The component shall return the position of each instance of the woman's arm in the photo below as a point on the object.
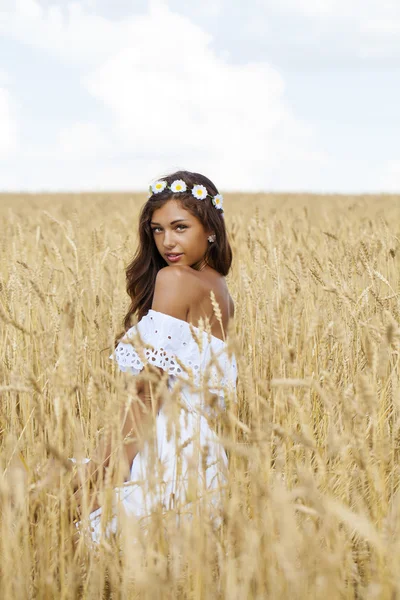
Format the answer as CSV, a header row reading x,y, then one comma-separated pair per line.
x,y
135,420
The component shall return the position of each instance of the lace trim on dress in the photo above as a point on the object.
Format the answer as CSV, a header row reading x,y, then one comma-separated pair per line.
x,y
167,340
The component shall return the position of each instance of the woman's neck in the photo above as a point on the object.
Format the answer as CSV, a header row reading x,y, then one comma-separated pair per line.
x,y
200,265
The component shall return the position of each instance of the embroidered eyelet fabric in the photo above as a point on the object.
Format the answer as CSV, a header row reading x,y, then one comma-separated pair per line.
x,y
169,338
163,341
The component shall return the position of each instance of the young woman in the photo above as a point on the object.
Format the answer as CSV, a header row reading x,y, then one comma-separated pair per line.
x,y
176,282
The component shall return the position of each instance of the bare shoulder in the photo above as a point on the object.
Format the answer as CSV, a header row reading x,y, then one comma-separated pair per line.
x,y
174,271
176,276
172,292
207,281
184,293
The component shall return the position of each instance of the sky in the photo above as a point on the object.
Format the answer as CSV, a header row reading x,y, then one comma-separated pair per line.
x,y
258,95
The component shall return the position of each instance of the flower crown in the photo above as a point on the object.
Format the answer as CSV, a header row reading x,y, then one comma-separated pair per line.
x,y
198,191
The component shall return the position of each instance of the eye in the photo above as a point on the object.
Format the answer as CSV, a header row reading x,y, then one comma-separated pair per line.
x,y
180,226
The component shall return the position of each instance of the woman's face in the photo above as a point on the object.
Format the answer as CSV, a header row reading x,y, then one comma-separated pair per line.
x,y
177,231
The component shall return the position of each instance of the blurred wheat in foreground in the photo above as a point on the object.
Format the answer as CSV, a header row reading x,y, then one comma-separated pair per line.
x,y
313,504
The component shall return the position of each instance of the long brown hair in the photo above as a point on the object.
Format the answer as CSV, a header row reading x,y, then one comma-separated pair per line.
x,y
142,270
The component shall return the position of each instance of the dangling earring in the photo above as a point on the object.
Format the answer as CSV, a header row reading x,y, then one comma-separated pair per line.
x,y
211,238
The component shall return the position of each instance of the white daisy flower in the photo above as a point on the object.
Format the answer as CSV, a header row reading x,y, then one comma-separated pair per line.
x,y
158,186
178,186
218,201
199,192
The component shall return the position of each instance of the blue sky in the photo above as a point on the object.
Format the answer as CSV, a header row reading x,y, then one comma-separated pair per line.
x,y
295,95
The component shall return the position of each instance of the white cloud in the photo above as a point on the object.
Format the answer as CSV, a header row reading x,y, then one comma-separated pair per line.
x,y
170,99
341,9
390,179
29,9
70,33
81,141
380,26
5,79
210,8
80,35
359,29
8,125
198,108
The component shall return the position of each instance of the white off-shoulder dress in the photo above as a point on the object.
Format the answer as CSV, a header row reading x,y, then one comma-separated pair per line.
x,y
197,363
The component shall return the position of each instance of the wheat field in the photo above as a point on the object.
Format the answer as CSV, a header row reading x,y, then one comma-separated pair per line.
x,y
313,509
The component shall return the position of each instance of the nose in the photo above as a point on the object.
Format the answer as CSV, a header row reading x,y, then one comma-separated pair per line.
x,y
168,241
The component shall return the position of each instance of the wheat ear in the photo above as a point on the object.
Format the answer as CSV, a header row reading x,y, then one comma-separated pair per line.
x,y
217,312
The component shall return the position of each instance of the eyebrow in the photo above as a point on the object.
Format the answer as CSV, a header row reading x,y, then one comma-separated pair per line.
x,y
172,222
